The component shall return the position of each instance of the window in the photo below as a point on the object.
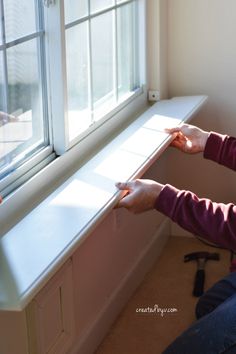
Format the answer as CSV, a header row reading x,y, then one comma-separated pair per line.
x,y
23,107
66,67
101,46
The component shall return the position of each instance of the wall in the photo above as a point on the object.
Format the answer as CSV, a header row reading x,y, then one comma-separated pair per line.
x,y
201,60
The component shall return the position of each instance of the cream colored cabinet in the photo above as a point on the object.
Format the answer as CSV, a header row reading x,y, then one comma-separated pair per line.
x,y
50,316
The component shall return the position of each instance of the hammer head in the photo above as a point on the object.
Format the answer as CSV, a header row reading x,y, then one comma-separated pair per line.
x,y
195,256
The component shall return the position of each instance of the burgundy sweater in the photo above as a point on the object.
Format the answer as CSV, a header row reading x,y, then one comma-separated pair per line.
x,y
215,222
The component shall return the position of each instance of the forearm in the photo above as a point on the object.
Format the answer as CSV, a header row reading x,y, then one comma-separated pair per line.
x,y
215,222
221,149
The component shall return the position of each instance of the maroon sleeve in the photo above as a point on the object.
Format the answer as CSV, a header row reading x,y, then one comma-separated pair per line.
x,y
221,149
216,222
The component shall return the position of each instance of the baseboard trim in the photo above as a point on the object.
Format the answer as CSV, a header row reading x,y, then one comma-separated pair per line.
x,y
93,336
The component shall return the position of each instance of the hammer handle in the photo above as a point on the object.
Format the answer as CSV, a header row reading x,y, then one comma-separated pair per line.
x,y
199,283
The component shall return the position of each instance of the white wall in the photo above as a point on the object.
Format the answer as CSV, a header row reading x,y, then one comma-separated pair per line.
x,y
202,53
202,60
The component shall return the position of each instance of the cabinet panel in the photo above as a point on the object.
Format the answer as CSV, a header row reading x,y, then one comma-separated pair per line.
x,y
51,315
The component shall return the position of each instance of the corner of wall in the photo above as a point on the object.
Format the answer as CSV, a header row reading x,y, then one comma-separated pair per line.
x,y
157,46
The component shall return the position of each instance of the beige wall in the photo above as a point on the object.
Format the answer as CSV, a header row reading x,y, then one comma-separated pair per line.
x,y
202,60
202,55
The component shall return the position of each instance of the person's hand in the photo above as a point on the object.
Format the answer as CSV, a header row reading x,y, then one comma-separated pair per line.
x,y
141,195
189,138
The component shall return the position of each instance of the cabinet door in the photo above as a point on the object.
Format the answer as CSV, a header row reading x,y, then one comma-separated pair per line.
x,y
51,315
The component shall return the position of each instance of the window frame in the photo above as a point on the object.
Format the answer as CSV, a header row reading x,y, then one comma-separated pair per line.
x,y
36,181
54,22
37,155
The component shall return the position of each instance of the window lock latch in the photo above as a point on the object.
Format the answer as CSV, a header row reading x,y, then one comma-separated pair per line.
x,y
49,3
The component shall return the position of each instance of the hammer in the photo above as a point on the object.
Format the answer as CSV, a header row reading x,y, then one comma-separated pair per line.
x,y
201,258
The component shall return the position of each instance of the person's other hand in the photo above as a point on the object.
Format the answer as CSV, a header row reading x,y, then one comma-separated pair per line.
x,y
189,139
141,195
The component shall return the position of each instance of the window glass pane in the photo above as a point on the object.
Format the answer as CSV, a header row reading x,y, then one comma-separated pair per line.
x,y
77,78
19,18
97,5
2,90
125,45
1,34
24,124
103,62
102,58
75,9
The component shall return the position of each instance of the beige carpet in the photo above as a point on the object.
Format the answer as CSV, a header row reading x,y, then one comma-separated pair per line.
x,y
168,286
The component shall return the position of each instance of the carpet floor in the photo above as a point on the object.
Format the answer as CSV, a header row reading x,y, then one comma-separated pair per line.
x,y
143,327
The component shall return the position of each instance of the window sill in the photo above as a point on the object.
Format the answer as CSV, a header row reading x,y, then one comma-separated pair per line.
x,y
34,249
